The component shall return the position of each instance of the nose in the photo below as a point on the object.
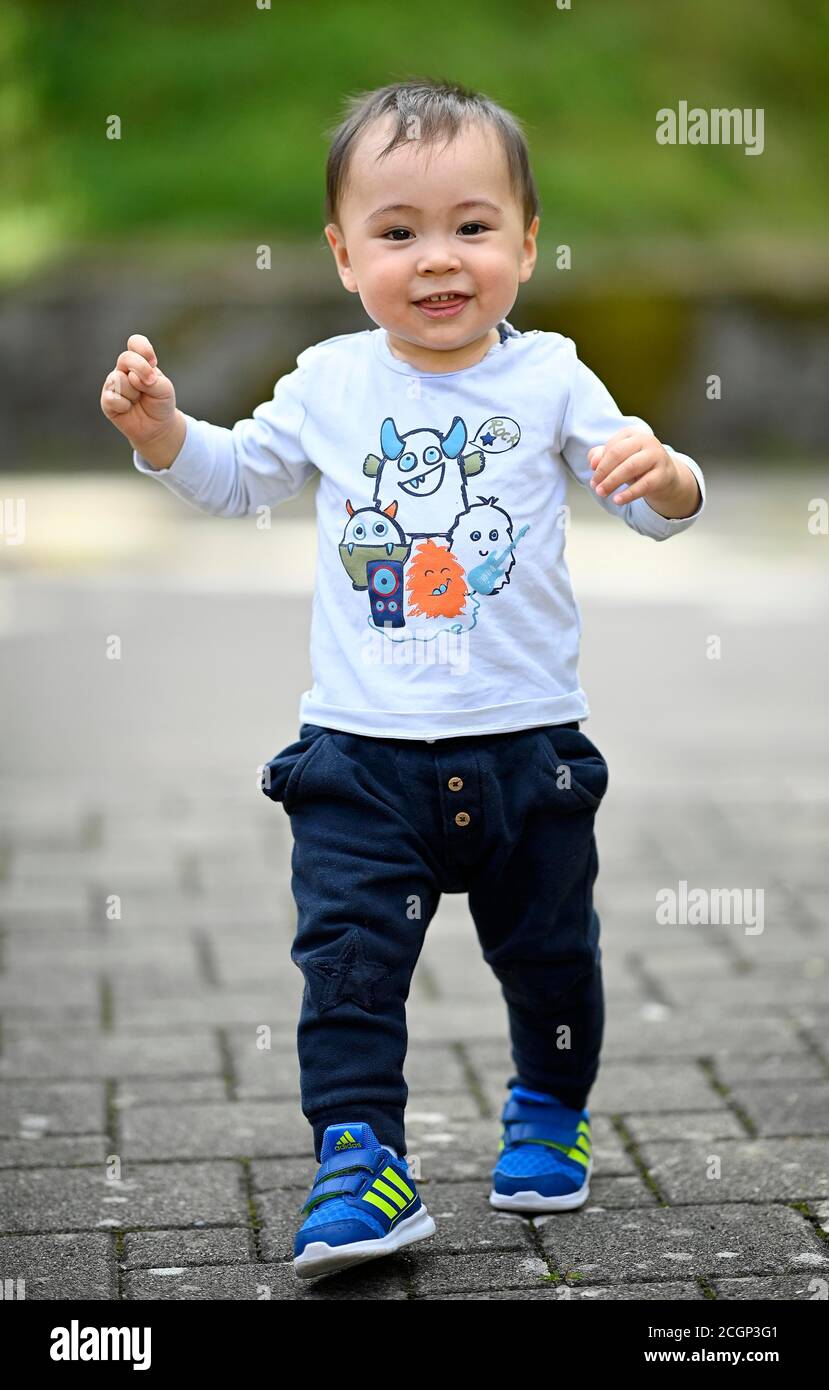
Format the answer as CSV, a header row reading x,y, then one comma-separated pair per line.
x,y
437,256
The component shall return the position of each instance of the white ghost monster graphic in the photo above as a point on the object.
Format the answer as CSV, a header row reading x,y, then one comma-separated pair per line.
x,y
425,472
481,533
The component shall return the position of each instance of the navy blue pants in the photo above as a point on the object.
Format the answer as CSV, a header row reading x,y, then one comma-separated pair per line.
x,y
382,827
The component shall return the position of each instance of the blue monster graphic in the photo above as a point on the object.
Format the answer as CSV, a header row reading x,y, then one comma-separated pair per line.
x,y
425,472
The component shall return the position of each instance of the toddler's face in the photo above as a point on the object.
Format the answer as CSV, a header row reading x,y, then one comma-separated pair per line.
x,y
394,256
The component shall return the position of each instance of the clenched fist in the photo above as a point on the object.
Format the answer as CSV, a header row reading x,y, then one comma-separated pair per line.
x,y
141,402
647,470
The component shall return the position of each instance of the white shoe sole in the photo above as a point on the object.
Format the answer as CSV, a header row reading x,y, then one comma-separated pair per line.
x,y
320,1258
533,1201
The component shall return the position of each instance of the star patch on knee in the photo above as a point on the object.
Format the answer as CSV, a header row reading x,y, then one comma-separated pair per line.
x,y
350,975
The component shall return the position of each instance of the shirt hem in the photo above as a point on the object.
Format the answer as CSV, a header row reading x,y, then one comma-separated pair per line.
x,y
491,719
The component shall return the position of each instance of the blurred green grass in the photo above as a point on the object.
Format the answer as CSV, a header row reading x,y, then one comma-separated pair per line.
x,y
224,110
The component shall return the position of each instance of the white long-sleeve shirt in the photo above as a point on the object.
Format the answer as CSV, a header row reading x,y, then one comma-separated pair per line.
x,y
442,602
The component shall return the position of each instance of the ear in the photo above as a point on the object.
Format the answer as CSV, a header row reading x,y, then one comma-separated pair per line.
x,y
530,251
336,240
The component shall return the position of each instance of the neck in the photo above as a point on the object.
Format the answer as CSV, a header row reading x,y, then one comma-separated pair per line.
x,y
450,360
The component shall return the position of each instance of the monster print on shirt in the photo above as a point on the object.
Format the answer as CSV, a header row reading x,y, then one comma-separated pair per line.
x,y
428,548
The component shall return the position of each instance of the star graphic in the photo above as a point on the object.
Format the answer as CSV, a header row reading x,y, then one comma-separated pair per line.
x,y
349,975
487,438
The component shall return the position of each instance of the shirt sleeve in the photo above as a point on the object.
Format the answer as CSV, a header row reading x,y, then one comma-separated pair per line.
x,y
232,472
591,416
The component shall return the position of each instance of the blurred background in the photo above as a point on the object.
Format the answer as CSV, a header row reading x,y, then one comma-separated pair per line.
x,y
686,262
137,775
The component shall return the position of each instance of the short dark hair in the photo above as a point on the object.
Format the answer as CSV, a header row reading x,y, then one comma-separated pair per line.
x,y
440,109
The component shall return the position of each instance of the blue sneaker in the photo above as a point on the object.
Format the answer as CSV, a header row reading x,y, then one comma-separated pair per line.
x,y
363,1204
545,1155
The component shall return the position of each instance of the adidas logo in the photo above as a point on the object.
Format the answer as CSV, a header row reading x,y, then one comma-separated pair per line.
x,y
346,1141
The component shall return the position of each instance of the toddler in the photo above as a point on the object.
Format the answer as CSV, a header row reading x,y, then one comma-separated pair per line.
x,y
440,748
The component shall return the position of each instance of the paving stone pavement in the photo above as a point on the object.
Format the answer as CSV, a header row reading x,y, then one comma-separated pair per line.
x,y
151,1140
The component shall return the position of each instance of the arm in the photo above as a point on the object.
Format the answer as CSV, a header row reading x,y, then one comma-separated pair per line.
x,y
673,482
227,472
232,472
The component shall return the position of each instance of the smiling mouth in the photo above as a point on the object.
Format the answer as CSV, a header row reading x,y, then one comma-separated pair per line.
x,y
442,299
441,588
425,483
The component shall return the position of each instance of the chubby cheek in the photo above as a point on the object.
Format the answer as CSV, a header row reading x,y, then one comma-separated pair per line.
x,y
383,279
495,273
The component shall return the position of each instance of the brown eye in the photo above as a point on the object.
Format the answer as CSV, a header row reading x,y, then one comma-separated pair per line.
x,y
428,572
445,569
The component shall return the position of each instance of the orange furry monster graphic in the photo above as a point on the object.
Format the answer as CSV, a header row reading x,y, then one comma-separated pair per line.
x,y
435,583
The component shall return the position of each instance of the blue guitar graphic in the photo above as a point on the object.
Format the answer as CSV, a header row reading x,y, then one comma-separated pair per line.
x,y
484,577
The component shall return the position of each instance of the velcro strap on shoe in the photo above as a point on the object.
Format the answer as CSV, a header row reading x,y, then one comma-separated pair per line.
x,y
516,1109
346,1184
522,1133
344,1162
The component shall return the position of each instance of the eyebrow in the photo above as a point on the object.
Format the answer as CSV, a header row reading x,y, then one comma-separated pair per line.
x,y
408,207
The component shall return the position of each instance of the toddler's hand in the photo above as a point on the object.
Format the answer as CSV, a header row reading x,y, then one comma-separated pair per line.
x,y
138,398
635,458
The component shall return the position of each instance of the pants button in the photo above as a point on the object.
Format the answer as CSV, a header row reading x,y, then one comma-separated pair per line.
x,y
455,784
462,818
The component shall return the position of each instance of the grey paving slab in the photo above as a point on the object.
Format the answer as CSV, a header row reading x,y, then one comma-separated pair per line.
x,y
607,1193
41,1108
259,1282
292,1176
698,1032
163,1194
787,1066
652,1085
689,1127
741,1170
796,1287
37,1151
265,1072
108,1055
561,1291
71,899
443,1274
790,1107
206,1007
227,1129
177,1091
61,1267
196,1283
644,1245
459,1022
40,994
154,1250
32,918
750,993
